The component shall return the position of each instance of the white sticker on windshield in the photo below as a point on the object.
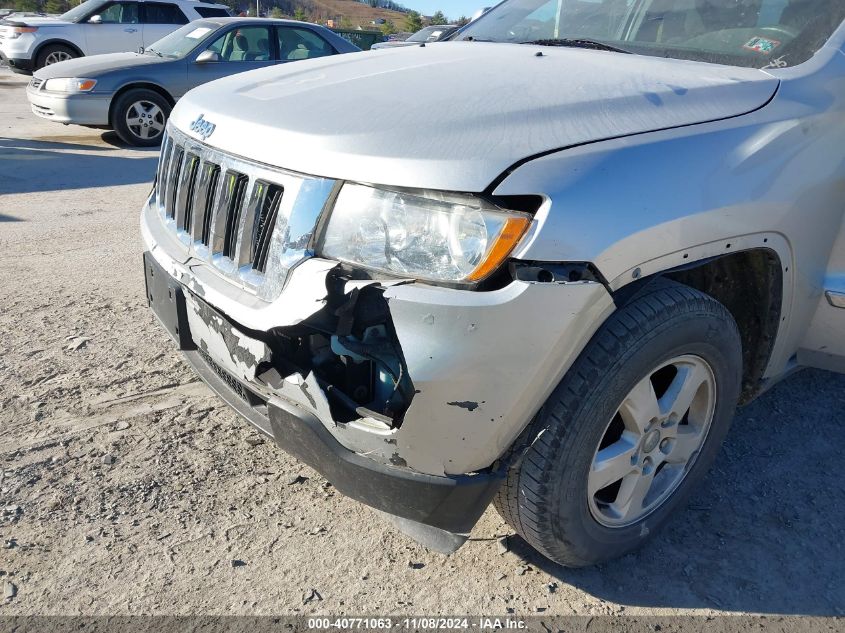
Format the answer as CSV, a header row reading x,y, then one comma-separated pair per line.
x,y
197,33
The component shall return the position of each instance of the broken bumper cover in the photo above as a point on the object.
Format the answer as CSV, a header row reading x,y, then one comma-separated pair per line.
x,y
450,503
453,504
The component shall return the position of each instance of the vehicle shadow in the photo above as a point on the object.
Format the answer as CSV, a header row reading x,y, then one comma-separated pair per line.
x,y
28,165
764,534
9,218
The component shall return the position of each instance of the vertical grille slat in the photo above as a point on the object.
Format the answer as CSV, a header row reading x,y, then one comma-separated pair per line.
x,y
265,224
208,211
185,197
203,200
236,187
176,161
163,166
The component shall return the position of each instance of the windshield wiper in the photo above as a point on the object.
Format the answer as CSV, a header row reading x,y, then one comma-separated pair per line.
x,y
579,43
153,51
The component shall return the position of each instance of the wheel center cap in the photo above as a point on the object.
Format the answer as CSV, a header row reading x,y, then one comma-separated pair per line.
x,y
650,441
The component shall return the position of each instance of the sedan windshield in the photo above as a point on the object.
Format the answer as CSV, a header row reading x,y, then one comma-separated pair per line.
x,y
183,40
428,34
80,11
754,33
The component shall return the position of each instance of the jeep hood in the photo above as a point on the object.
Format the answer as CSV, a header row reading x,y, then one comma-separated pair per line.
x,y
94,66
456,115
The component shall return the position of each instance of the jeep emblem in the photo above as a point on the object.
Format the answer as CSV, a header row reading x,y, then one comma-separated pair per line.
x,y
203,128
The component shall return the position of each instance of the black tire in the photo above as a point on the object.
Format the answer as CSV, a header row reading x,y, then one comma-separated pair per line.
x,y
545,495
128,104
49,54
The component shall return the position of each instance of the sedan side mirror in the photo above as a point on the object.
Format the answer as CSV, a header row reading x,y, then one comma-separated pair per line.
x,y
95,19
207,57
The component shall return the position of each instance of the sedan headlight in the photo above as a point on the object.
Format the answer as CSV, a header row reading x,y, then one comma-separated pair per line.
x,y
424,235
71,85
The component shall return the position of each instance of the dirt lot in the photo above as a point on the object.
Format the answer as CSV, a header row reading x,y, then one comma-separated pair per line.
x,y
127,488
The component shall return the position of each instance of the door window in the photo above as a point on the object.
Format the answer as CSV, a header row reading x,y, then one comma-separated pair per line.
x,y
120,13
246,44
211,12
161,13
301,44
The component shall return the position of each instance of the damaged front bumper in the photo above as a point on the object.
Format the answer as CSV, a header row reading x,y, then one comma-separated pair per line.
x,y
403,395
449,503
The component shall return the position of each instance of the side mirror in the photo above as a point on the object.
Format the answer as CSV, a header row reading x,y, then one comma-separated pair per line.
x,y
95,19
207,57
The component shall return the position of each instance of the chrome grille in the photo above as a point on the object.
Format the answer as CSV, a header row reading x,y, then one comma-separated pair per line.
x,y
35,83
251,222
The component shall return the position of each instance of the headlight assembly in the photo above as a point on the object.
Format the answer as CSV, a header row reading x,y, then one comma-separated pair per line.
x,y
72,85
16,31
423,235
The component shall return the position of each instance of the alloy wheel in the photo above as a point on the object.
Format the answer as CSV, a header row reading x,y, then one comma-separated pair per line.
x,y
145,119
652,441
57,56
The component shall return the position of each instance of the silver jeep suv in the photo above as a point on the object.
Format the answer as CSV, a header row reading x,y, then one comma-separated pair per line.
x,y
546,280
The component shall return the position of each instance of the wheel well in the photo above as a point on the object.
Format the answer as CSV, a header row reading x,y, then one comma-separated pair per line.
x,y
73,47
750,285
147,86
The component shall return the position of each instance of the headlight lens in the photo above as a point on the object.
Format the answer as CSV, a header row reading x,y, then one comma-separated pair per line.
x,y
74,84
432,236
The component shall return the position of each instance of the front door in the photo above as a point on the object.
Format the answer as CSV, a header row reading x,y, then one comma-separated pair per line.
x,y
116,28
238,50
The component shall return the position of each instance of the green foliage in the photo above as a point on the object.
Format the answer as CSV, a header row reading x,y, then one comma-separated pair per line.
x,y
26,5
276,13
388,28
413,21
438,18
462,21
300,14
55,6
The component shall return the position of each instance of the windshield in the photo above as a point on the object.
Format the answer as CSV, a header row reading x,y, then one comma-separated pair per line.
x,y
80,11
183,40
755,33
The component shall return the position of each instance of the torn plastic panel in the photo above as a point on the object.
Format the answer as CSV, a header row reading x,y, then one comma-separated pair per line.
x,y
343,362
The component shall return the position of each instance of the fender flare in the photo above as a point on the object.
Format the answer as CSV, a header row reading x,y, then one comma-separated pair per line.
x,y
53,41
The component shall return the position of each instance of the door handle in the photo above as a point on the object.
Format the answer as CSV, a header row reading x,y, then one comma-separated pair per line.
x,y
130,30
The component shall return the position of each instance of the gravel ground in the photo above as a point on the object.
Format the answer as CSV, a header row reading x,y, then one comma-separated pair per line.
x,y
127,488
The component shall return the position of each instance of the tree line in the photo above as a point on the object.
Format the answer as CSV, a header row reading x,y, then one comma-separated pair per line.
x,y
303,10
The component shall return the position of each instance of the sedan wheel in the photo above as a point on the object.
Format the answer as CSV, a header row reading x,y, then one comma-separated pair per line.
x,y
139,116
145,120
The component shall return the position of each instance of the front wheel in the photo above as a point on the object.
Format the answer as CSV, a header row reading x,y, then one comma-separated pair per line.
x,y
630,430
139,117
53,54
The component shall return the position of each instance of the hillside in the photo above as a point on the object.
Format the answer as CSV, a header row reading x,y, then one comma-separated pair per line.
x,y
357,12
348,12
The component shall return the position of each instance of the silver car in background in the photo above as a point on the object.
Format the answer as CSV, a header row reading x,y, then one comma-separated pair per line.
x,y
427,35
133,93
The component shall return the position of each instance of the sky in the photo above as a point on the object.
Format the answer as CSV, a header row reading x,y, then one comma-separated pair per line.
x,y
452,8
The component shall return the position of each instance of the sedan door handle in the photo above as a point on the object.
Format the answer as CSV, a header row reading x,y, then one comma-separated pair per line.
x,y
130,30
